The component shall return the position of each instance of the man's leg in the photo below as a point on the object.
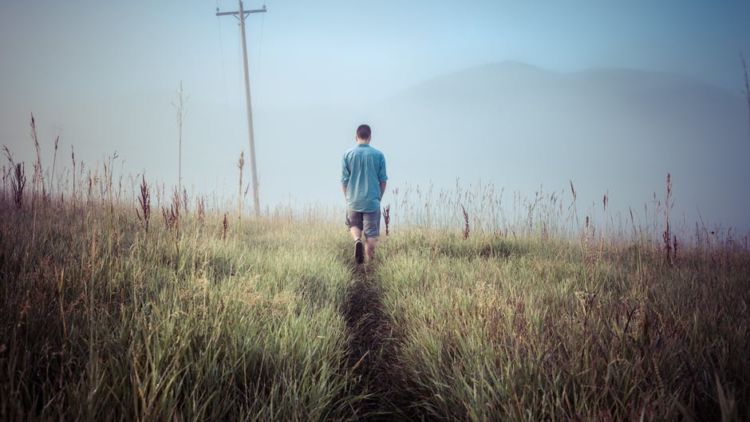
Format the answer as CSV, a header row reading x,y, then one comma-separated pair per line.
x,y
371,227
354,221
370,244
356,232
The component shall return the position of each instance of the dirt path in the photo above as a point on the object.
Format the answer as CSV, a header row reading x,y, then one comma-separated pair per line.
x,y
373,350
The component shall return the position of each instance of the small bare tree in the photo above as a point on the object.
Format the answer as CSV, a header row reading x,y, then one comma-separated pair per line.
x,y
179,105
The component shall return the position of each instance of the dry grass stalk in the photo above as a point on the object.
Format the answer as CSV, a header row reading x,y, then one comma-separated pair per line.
x,y
573,204
225,226
588,229
11,165
144,201
240,166
466,222
92,177
105,184
73,159
573,191
169,217
54,161
387,218
175,208
119,188
200,208
17,184
632,222
185,201
172,215
604,233
17,178
5,178
667,237
38,178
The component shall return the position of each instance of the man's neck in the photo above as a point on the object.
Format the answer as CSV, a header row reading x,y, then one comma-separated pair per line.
x,y
361,142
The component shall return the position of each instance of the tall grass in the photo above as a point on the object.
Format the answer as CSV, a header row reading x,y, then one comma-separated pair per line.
x,y
470,312
110,321
499,329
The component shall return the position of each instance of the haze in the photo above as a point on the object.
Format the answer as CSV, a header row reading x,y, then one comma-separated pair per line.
x,y
518,94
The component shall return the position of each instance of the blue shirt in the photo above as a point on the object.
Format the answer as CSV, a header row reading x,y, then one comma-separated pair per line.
x,y
362,170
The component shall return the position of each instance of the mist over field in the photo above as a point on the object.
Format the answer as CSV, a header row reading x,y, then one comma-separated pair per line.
x,y
516,126
523,128
495,92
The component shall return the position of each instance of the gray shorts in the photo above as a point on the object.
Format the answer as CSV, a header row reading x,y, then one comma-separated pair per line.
x,y
368,222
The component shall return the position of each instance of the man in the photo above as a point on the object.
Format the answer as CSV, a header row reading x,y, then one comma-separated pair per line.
x,y
363,181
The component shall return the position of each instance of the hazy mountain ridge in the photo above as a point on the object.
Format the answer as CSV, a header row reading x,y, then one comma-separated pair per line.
x,y
508,74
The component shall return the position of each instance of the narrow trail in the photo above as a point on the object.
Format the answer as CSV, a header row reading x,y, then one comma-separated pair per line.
x,y
373,350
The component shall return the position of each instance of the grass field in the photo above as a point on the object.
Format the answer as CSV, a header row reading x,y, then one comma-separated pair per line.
x,y
268,319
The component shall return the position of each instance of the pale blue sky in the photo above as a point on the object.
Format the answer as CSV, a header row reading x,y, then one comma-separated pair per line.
x,y
324,51
102,74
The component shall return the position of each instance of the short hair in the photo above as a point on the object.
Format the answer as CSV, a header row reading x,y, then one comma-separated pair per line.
x,y
363,132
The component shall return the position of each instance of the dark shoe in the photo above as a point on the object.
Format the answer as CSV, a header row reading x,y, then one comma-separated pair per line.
x,y
359,252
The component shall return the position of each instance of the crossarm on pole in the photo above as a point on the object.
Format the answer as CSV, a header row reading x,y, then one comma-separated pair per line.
x,y
236,13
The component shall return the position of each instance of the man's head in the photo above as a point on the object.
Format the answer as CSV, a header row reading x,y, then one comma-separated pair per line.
x,y
363,133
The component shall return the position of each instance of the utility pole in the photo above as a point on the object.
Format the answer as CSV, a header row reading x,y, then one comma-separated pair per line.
x,y
241,15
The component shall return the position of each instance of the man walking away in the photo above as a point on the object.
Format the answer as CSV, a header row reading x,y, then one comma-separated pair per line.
x,y
363,179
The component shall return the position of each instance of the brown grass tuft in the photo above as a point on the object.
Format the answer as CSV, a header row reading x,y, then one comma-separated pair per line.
x,y
466,222
172,215
144,201
387,218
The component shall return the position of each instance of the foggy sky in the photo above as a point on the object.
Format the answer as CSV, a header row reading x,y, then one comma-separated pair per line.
x,y
102,75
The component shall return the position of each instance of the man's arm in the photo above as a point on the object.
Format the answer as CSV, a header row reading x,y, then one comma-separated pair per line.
x,y
382,176
345,174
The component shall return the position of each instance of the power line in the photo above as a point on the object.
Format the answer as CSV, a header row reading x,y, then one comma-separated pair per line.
x,y
223,65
